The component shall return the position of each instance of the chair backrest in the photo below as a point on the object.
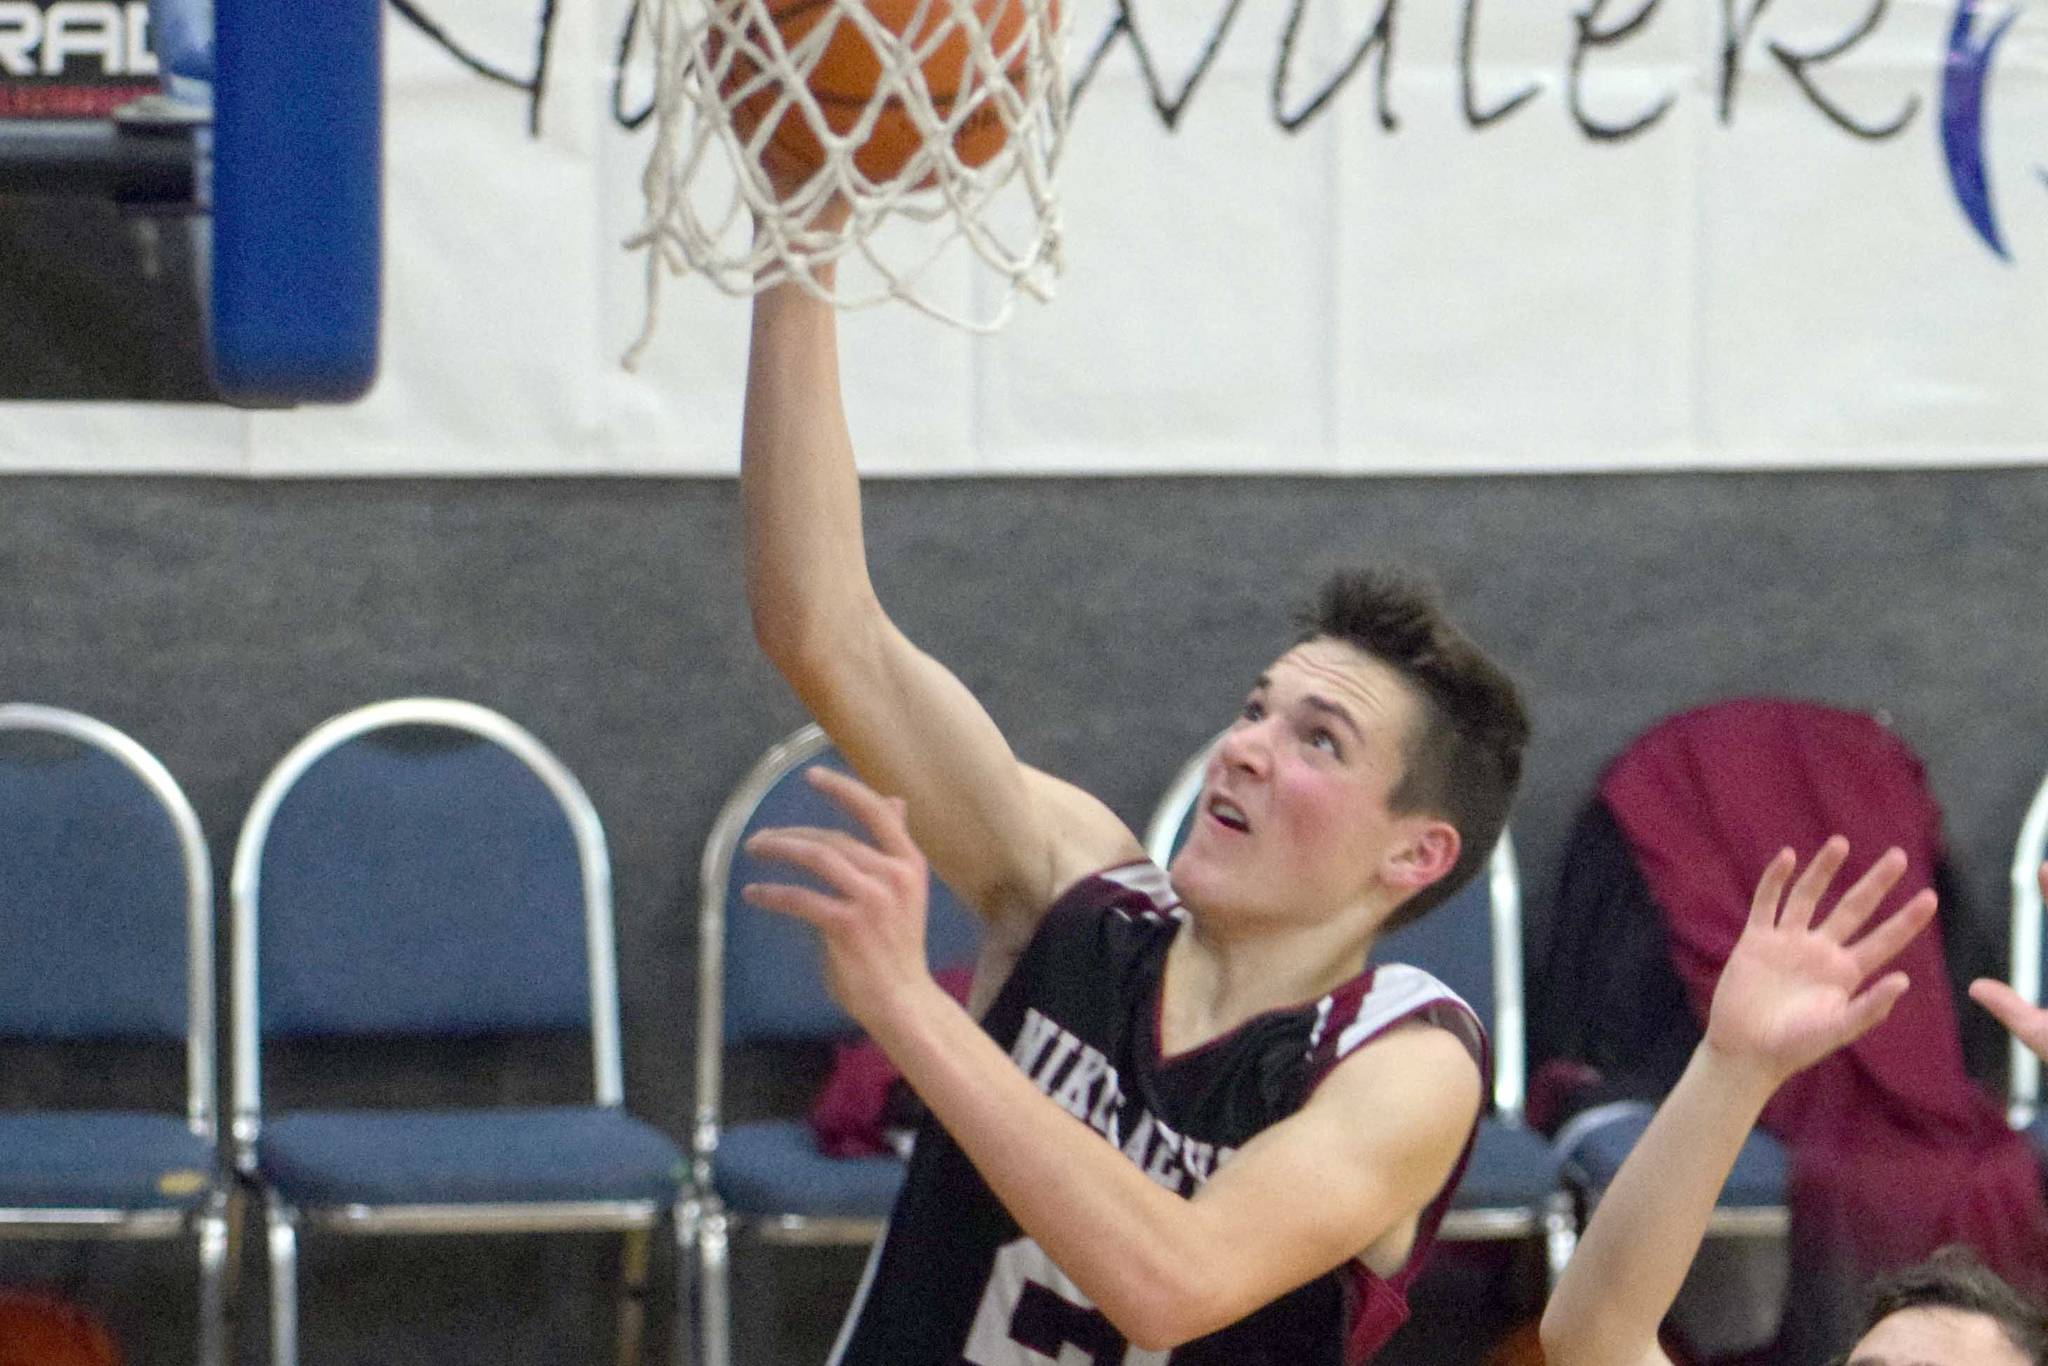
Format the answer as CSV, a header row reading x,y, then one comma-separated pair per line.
x,y
106,895
1472,943
2027,948
761,975
421,868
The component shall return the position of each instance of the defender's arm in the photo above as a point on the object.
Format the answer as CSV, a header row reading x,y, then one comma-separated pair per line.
x,y
1792,992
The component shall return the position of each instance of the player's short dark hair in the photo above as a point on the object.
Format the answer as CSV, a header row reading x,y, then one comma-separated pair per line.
x,y
1465,759
1953,1278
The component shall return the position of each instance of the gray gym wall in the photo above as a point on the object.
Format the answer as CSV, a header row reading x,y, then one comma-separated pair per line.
x,y
1110,625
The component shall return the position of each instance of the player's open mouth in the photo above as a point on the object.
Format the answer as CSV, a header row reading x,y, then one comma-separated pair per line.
x,y
1228,814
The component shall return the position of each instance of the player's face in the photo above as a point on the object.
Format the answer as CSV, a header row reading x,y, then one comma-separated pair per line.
x,y
1293,819
1937,1337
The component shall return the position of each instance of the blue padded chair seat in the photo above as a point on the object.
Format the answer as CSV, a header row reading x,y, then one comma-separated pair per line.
x,y
496,1156
102,1160
1758,1180
1511,1168
774,1167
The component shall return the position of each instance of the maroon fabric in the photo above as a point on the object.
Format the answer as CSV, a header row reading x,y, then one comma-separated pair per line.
x,y
862,1099
1895,1151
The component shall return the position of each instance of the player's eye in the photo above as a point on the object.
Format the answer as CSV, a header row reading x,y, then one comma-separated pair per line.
x,y
1254,709
1326,740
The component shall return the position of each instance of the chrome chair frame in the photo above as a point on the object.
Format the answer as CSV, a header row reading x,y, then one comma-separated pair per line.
x,y
1555,1222
211,1224
715,1226
2024,1069
637,1219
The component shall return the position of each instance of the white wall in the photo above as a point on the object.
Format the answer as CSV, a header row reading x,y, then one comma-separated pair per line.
x,y
1764,289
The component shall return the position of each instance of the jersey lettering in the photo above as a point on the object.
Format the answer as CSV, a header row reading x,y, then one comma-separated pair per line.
x,y
1032,1315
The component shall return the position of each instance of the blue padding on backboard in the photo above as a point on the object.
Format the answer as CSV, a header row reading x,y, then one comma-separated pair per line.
x,y
297,199
181,33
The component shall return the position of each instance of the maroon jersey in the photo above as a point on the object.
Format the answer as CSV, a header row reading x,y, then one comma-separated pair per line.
x,y
954,1282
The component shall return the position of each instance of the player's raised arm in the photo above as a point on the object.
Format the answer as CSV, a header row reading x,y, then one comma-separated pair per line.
x,y
1004,837
1792,992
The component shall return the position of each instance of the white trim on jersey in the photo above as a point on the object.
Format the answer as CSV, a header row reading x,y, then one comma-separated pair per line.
x,y
1315,1035
1398,991
1147,879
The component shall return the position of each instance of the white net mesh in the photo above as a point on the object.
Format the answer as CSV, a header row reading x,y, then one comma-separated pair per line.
x,y
942,119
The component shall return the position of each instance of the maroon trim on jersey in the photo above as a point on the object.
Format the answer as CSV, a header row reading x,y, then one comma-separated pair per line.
x,y
1446,1011
1336,1013
1376,1309
1379,1304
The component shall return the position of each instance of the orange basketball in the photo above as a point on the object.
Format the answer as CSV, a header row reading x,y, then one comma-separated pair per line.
x,y
848,71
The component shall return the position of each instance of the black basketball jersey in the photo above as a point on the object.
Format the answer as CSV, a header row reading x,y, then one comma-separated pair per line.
x,y
954,1282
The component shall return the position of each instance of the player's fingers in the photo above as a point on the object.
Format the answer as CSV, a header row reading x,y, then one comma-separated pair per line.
x,y
2001,1000
1875,1002
2026,1021
800,903
1882,944
1856,905
1812,884
1770,888
884,818
833,857
850,846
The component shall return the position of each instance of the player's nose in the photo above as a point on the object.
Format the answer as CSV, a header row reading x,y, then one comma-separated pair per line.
x,y
1247,747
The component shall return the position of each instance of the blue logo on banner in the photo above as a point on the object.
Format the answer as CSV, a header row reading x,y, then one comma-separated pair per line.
x,y
1963,78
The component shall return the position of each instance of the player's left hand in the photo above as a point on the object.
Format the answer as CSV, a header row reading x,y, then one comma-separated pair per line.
x,y
1793,990
2027,1022
872,915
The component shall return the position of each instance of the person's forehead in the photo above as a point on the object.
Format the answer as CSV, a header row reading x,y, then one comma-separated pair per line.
x,y
1937,1337
1340,672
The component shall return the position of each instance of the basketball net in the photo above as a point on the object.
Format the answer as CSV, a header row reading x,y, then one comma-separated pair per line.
x,y
707,189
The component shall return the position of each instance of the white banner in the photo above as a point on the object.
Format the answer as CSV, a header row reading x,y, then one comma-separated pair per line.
x,y
1414,236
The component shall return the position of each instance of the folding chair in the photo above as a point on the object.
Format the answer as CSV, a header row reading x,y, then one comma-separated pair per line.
x,y
106,933
1512,1187
761,981
2024,1087
425,869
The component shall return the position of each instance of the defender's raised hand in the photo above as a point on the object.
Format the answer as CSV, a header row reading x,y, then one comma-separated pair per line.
x,y
872,917
2026,1021
1794,988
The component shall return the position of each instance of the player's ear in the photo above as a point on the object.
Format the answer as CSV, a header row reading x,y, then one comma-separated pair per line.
x,y
1425,856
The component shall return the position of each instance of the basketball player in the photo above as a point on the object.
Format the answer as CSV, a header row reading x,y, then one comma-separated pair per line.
x,y
1191,1125
1792,992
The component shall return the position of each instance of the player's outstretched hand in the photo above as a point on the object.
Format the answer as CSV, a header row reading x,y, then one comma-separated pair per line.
x,y
872,913
2027,1022
1794,990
